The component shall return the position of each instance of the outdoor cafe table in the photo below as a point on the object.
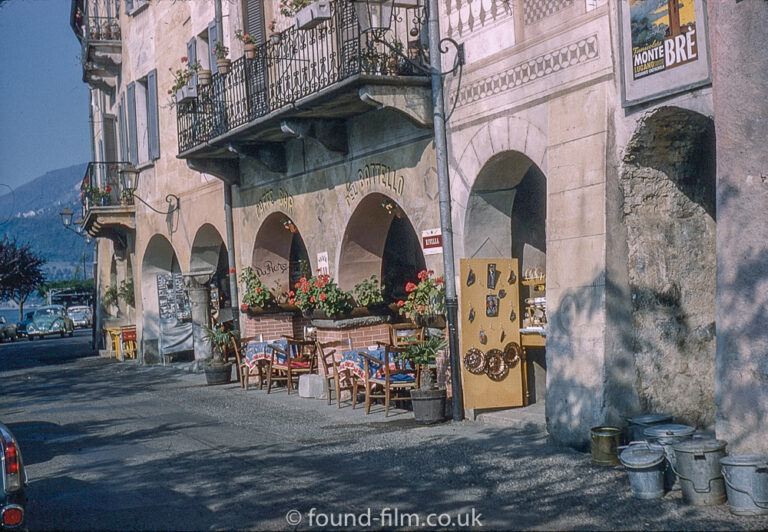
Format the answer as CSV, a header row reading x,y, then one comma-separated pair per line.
x,y
352,361
256,351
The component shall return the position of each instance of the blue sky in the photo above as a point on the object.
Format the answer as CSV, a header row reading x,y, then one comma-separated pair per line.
x,y
43,101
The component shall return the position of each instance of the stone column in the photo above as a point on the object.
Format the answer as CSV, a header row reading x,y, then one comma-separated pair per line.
x,y
740,85
200,303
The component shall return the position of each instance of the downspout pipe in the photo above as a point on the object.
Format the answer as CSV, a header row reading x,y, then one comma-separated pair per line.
x,y
444,190
229,226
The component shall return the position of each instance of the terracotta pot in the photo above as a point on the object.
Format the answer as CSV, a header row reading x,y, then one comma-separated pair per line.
x,y
250,50
224,65
204,77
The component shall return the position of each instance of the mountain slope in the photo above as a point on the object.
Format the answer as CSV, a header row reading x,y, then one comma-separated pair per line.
x,y
31,214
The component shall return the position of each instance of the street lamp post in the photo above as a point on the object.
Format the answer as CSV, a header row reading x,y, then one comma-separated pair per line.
x,y
375,17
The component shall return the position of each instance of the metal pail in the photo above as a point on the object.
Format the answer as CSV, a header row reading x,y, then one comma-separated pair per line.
x,y
605,441
746,483
645,463
698,467
667,435
638,424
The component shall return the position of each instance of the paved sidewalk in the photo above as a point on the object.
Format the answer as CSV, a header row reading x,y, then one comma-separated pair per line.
x,y
116,446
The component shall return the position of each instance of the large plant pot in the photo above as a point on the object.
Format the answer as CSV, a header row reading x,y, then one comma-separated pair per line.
x,y
224,66
250,50
218,373
204,77
428,406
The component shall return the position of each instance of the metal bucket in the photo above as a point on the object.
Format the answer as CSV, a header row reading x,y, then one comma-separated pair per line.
x,y
605,441
698,466
666,436
638,424
746,483
645,463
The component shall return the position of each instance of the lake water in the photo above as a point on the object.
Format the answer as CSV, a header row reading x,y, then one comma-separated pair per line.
x,y
12,315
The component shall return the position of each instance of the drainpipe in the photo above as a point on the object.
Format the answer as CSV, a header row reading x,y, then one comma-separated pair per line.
x,y
229,227
444,189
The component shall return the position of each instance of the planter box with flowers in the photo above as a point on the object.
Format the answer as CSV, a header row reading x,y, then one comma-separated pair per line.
x,y
223,63
264,314
181,90
313,15
425,304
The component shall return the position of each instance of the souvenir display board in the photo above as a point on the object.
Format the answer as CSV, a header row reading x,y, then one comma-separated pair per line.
x,y
491,355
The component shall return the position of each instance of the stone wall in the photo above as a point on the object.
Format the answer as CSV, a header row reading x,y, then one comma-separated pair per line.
x,y
668,190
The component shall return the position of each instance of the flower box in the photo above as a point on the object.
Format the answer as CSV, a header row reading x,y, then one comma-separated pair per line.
x,y
186,93
313,15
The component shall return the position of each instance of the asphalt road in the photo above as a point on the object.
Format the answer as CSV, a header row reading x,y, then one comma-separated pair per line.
x,y
119,446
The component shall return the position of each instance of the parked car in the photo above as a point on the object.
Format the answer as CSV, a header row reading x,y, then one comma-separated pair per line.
x,y
21,327
14,498
81,315
7,330
51,319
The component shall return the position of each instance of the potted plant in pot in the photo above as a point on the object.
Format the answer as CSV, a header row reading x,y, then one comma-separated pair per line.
x,y
425,304
249,44
218,370
320,297
369,297
222,61
428,401
257,299
181,89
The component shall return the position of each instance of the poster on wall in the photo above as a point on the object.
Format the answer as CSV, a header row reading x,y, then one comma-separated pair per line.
x,y
664,48
175,314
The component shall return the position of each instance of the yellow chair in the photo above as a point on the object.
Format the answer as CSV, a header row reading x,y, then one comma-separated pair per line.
x,y
114,342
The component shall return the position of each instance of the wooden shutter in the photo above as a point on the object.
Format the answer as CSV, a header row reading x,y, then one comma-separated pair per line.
x,y
213,36
133,138
254,20
192,56
110,139
153,122
122,130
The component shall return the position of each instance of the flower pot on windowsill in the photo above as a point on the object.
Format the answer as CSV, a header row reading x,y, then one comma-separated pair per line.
x,y
250,50
204,77
224,65
186,93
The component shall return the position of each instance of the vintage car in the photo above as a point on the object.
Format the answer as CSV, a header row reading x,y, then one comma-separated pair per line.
x,y
21,327
81,315
14,484
7,330
51,319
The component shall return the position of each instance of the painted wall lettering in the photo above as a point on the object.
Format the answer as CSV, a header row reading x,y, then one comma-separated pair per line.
x,y
268,268
374,176
282,198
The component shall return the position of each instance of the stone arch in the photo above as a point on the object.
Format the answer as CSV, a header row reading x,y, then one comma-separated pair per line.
x,y
209,253
668,184
279,255
380,240
159,258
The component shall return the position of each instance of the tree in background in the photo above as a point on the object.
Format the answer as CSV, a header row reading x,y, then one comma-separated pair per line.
x,y
57,288
21,272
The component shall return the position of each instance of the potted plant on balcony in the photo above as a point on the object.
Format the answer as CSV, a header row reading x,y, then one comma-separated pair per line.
x,y
249,44
181,89
369,297
222,61
425,304
257,298
218,370
428,401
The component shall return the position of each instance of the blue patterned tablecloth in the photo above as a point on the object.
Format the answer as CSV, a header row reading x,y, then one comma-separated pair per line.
x,y
352,361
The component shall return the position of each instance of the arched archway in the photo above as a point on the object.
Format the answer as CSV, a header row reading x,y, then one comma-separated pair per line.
x,y
668,182
209,253
279,256
159,258
506,217
380,241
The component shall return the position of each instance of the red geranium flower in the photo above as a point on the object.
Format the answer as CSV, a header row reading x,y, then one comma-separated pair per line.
x,y
439,280
421,308
304,289
311,299
400,303
291,293
243,307
410,287
422,275
184,59
258,289
322,297
291,300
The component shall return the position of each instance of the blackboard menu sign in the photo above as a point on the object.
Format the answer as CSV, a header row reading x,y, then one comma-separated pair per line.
x,y
171,297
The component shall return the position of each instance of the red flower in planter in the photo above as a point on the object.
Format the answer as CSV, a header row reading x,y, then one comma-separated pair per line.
x,y
322,297
400,303
410,287
312,299
244,307
422,275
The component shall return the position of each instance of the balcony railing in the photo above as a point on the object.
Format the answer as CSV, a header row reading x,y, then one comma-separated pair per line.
x,y
302,63
101,186
97,20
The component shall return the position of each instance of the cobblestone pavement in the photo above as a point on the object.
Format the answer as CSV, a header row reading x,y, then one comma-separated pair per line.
x,y
121,446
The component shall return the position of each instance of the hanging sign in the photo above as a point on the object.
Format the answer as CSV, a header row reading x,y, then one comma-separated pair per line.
x,y
322,263
432,241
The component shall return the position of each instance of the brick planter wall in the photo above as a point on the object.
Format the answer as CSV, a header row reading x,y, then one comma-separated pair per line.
x,y
361,331
272,326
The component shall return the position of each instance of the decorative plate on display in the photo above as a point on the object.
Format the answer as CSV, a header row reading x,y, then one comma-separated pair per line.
x,y
495,367
474,361
512,353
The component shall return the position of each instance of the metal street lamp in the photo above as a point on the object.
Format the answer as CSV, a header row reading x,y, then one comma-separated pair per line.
x,y
373,11
66,221
129,180
66,217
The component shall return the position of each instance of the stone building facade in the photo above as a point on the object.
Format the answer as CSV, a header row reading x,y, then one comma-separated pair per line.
x,y
326,147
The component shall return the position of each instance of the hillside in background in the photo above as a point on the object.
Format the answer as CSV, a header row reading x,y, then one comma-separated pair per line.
x,y
31,214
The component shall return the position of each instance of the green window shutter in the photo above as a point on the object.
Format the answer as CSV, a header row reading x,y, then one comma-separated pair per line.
x,y
153,122
213,36
133,137
192,56
254,20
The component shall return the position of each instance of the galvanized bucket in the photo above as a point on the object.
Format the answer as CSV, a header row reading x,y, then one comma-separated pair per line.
x,y
746,483
667,435
638,424
605,441
698,466
645,463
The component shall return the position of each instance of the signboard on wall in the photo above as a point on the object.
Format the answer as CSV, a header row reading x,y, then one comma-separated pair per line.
x,y
172,299
322,263
432,241
664,48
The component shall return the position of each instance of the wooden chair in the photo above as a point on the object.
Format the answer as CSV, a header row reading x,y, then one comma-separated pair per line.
x,y
243,369
389,384
299,359
342,380
402,334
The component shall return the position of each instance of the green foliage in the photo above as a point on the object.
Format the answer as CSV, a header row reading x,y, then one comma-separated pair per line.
x,y
245,38
424,352
21,271
219,338
74,285
182,75
290,7
427,298
256,292
368,292
125,292
111,294
322,293
220,50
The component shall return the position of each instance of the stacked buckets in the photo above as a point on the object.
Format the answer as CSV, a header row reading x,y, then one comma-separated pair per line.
x,y
746,483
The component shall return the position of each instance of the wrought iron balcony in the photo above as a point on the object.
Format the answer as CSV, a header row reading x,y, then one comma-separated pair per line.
x,y
108,211
314,73
96,24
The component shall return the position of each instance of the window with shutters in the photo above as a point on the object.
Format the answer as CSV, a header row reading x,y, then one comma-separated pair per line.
x,y
143,120
133,6
253,20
